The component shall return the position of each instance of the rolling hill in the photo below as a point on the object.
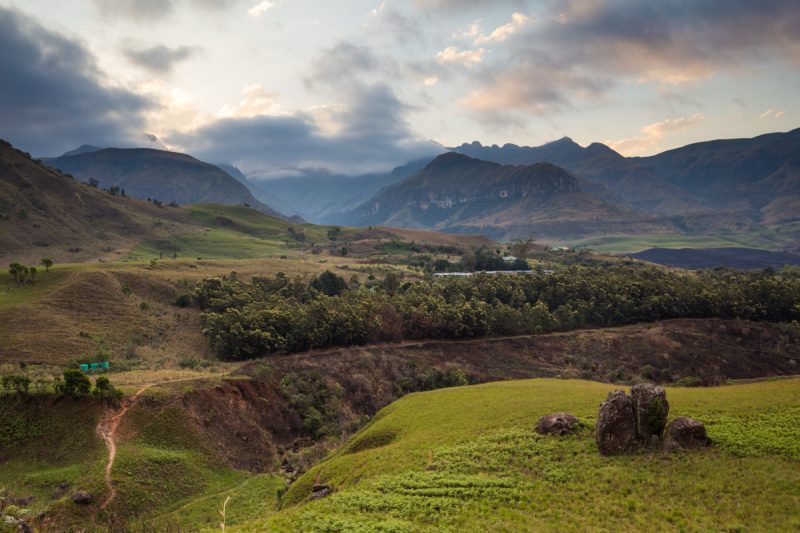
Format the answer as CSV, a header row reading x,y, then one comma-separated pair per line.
x,y
166,176
461,194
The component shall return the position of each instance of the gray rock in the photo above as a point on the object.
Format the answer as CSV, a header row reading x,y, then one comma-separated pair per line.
x,y
685,433
557,424
320,491
616,425
82,497
651,408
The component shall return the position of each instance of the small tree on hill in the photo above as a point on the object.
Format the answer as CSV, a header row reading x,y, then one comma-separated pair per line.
x,y
93,183
104,390
46,263
75,384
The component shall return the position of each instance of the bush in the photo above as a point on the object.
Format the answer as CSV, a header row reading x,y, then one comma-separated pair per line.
x,y
184,300
103,389
74,384
17,384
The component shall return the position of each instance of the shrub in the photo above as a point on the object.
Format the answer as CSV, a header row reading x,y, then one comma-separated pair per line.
x,y
74,384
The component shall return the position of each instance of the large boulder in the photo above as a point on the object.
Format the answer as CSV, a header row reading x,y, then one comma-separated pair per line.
x,y
557,424
616,425
651,408
685,433
82,497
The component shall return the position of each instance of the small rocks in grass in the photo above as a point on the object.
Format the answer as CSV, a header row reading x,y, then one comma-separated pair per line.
x,y
557,424
82,497
685,433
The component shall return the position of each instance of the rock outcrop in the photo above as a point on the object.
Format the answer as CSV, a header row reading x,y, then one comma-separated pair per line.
x,y
685,433
82,497
616,425
628,423
651,408
557,424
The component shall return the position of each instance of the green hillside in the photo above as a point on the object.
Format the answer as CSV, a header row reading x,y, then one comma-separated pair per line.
x,y
467,459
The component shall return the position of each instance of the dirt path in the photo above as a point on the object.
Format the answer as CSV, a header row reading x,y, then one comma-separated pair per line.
x,y
107,428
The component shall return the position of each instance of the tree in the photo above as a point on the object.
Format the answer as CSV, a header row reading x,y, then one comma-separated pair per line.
x,y
46,263
391,283
329,283
93,183
114,190
32,271
75,384
104,390
18,272
334,232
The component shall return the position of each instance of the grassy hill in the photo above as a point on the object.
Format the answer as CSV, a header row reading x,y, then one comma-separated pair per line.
x,y
467,459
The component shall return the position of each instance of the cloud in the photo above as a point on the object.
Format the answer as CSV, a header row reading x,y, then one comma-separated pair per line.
x,y
255,101
140,10
343,64
53,97
262,7
652,135
467,58
601,44
159,59
519,22
372,134
152,10
771,113
458,5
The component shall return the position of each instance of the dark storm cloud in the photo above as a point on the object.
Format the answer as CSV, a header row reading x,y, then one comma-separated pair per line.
x,y
52,95
582,49
159,59
372,135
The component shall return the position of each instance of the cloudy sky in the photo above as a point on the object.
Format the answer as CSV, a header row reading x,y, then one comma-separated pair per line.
x,y
361,86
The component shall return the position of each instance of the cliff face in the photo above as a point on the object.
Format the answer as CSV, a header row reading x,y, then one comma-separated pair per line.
x,y
458,193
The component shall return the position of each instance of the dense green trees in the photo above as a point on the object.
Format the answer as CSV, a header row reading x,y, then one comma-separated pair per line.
x,y
282,314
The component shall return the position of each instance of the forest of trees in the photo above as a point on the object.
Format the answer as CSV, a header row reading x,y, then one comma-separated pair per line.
x,y
284,314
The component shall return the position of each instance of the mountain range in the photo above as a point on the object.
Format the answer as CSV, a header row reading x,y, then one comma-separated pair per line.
x,y
558,191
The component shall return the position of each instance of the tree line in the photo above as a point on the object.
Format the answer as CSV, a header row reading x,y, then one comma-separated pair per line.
x,y
282,314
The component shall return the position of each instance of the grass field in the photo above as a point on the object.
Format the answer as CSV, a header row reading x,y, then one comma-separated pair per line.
x,y
467,459
761,239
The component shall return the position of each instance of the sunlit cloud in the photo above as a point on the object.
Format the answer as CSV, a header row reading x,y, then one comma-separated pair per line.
x,y
467,58
261,8
652,135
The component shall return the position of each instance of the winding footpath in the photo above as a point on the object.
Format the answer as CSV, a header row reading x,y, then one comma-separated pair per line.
x,y
107,428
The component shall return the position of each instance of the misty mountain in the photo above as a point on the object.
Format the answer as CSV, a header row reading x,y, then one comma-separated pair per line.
x,y
462,194
321,197
159,174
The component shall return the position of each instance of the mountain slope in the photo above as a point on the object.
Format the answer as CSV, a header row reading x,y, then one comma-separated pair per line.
x,y
458,193
321,197
166,176
46,214
610,176
746,174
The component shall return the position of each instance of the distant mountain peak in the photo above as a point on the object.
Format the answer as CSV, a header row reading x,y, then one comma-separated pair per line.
x,y
83,149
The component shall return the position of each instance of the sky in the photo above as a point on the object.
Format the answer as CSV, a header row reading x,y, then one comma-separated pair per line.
x,y
362,86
